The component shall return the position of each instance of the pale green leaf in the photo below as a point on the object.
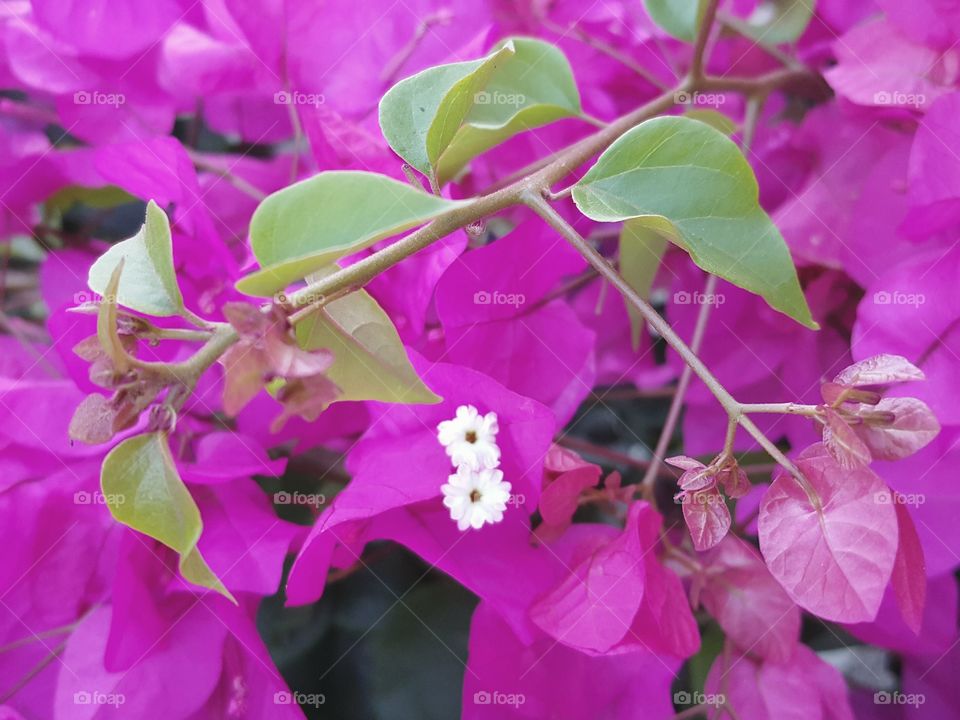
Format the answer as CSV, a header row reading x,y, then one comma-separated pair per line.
x,y
442,117
370,362
778,21
105,196
420,115
149,283
308,225
689,182
144,491
716,120
680,18
641,250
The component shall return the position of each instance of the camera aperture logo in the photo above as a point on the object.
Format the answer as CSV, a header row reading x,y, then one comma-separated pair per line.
x,y
485,697
485,297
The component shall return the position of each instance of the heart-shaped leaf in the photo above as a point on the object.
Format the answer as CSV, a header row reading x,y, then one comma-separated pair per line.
x,y
690,182
144,491
440,118
149,283
707,517
834,560
308,225
369,360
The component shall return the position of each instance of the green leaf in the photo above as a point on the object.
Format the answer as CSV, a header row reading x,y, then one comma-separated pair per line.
x,y
144,491
680,18
698,666
308,225
641,250
370,362
105,196
149,283
778,21
716,120
691,183
420,115
442,117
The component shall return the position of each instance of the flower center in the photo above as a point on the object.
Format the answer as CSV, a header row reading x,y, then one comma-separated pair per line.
x,y
471,436
475,496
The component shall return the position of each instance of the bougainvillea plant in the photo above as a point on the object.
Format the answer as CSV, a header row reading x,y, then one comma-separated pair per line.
x,y
611,344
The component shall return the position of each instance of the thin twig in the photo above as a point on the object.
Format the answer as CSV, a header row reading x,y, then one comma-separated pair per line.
x,y
202,163
733,408
34,671
698,61
608,50
788,408
651,316
676,406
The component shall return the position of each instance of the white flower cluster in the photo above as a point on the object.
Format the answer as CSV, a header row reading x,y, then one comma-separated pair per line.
x,y
476,493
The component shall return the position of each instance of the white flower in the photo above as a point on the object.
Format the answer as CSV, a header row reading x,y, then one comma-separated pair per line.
x,y
476,497
471,438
